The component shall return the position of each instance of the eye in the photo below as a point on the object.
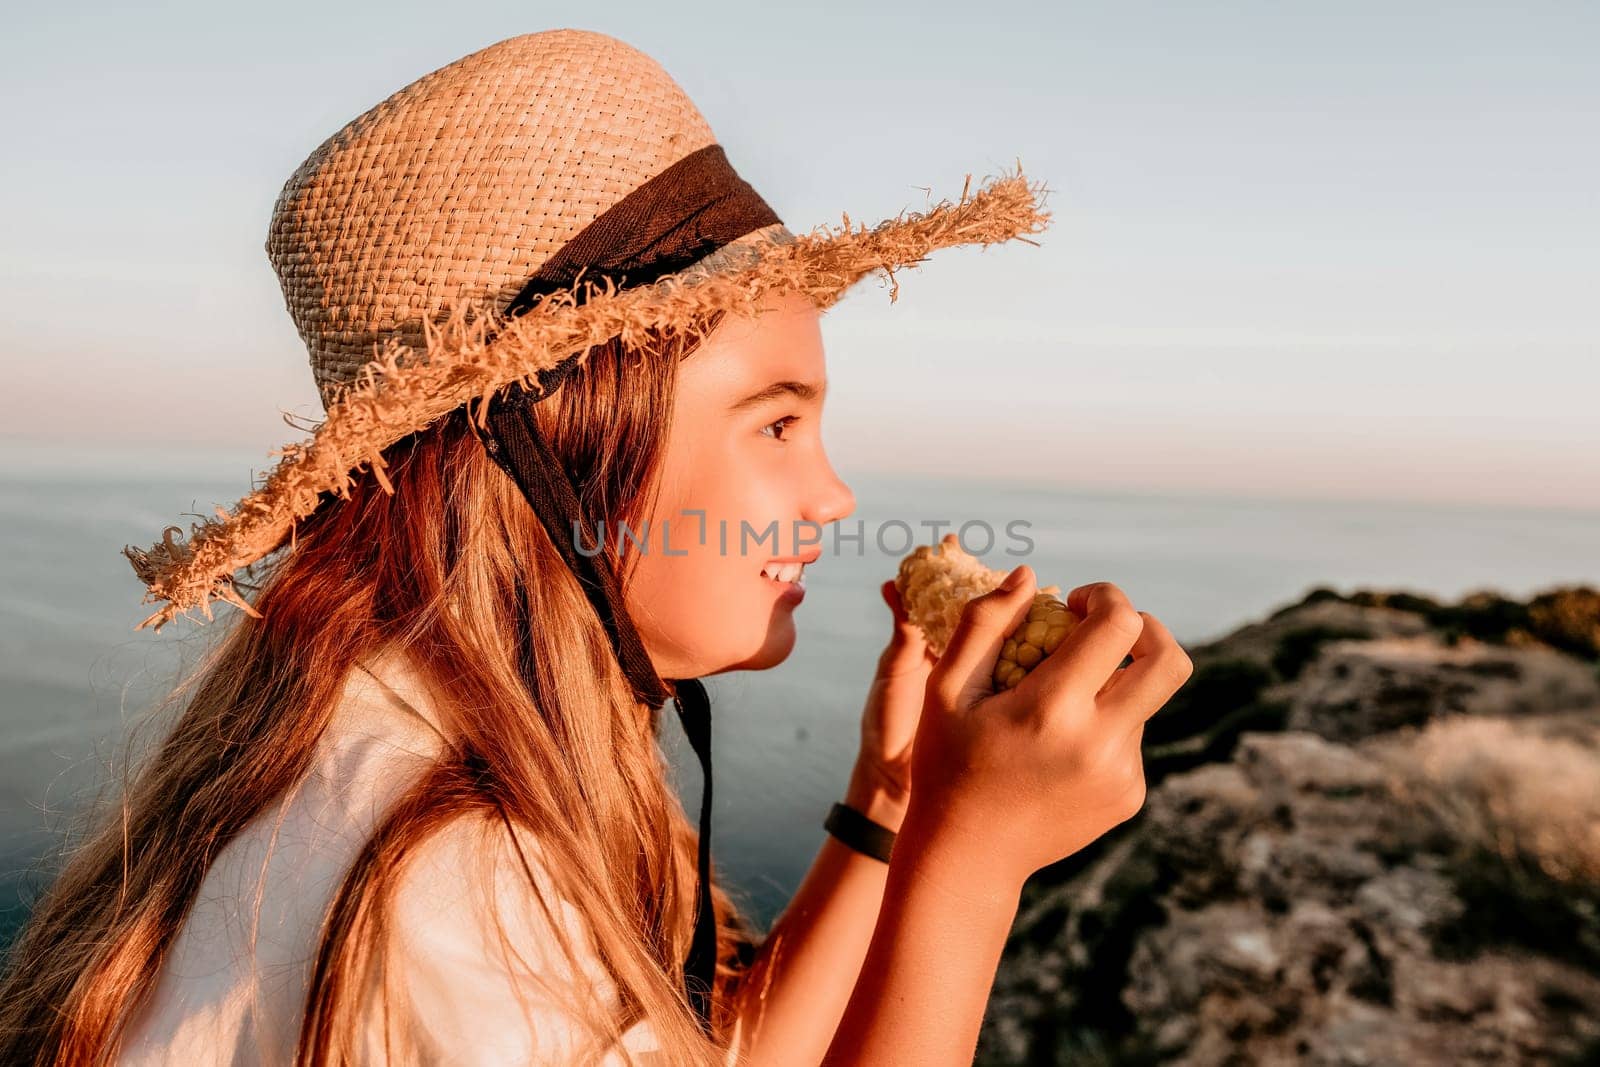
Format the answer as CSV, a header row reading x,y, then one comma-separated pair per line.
x,y
781,424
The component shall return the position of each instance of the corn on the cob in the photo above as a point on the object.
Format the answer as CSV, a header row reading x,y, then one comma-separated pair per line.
x,y
936,581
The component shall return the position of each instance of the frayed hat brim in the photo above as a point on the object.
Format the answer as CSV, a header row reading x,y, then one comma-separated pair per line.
x,y
471,353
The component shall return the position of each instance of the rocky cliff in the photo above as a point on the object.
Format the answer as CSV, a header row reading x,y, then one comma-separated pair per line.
x,y
1372,837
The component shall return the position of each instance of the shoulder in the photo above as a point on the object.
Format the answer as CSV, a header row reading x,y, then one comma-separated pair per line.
x,y
484,953
474,885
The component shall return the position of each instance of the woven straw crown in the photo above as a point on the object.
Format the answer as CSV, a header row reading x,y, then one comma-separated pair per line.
x,y
502,157
401,238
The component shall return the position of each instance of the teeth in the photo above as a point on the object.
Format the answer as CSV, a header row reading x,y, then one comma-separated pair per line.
x,y
785,572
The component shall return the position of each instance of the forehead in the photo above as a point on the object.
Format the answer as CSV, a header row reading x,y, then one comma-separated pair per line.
x,y
746,352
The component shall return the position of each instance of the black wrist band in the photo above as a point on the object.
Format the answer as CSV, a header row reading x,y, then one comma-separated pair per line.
x,y
859,832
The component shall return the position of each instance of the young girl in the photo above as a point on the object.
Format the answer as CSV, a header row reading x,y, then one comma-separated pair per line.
x,y
413,808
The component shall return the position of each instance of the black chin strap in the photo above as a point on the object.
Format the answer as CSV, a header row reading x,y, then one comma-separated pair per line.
x,y
516,444
700,966
514,441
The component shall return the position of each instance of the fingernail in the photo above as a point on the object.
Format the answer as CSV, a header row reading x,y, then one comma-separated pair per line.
x,y
1013,579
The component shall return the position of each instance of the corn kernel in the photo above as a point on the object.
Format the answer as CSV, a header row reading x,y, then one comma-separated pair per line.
x,y
935,583
1048,624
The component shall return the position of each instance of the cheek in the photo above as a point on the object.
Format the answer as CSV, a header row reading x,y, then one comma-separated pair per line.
x,y
708,606
702,608
725,493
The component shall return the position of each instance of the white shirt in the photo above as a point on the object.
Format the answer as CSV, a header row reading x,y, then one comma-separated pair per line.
x,y
233,987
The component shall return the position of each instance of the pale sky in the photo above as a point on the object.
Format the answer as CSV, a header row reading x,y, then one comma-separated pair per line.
x,y
1324,249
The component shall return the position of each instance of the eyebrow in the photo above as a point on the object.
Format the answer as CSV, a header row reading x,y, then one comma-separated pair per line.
x,y
799,390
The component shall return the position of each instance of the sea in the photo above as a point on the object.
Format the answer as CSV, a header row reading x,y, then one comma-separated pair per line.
x,y
75,674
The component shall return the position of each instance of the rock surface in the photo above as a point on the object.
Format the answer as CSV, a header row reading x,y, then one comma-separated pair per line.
x,y
1356,689
1284,898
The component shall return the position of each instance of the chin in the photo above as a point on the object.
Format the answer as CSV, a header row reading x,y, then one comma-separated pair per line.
x,y
774,650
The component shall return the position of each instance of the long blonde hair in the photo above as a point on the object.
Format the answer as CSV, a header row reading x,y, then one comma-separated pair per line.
x,y
455,569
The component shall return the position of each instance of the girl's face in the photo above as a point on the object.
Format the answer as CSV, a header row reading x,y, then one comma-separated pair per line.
x,y
745,486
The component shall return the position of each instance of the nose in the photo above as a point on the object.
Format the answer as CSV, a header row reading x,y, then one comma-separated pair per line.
x,y
832,500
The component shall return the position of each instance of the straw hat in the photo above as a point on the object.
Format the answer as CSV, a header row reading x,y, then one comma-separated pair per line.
x,y
406,242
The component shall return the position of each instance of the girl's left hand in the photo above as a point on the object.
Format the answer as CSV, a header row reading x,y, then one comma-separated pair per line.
x,y
893,707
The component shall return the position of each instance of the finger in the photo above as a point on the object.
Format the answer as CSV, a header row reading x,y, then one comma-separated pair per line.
x,y
1116,676
1094,648
907,646
964,671
1086,598
1160,668
1137,651
891,597
905,631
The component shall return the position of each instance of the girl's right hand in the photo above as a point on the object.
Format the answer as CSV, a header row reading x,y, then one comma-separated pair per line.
x,y
1027,776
